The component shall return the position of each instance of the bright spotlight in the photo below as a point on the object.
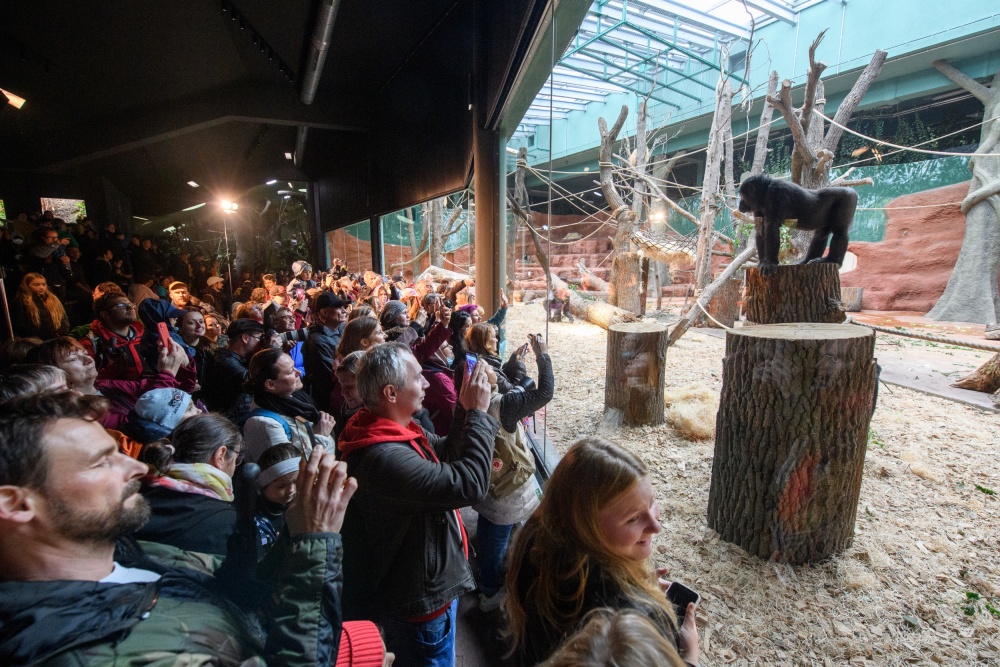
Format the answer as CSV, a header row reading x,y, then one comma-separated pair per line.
x,y
14,100
228,206
271,182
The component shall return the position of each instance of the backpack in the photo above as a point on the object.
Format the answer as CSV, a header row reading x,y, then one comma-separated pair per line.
x,y
270,414
513,463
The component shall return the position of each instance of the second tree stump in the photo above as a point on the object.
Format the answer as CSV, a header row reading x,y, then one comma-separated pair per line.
x,y
637,353
791,436
796,293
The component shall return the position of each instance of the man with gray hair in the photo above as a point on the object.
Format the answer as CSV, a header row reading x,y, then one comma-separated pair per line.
x,y
405,544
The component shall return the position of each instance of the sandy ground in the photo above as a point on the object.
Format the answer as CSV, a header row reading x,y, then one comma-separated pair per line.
x,y
927,539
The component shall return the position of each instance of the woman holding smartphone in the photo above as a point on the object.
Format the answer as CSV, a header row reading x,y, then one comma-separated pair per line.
x,y
587,546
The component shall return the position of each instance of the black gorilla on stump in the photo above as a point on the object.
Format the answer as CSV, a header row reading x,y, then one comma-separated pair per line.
x,y
827,212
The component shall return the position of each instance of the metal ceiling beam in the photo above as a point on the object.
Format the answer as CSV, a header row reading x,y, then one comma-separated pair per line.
x,y
625,71
573,91
592,80
778,11
695,36
630,88
640,58
564,102
693,16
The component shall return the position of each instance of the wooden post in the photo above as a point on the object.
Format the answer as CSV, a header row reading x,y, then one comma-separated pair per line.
x,y
636,372
796,293
791,435
725,305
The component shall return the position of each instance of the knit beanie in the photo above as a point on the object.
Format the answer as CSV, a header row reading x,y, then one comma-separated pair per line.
x,y
360,645
164,406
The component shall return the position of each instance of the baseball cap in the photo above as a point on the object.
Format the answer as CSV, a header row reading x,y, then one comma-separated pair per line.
x,y
244,326
177,285
214,280
330,300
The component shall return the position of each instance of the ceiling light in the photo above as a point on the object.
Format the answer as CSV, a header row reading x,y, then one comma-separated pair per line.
x,y
288,196
140,218
191,208
271,182
228,206
303,190
12,99
288,156
290,186
192,184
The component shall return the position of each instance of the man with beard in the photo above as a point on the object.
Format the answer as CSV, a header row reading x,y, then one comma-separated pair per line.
x,y
67,595
113,341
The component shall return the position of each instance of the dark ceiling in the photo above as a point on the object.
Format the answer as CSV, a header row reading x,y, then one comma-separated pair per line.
x,y
150,94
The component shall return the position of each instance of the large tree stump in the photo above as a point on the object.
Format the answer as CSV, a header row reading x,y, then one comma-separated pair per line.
x,y
796,293
635,372
791,435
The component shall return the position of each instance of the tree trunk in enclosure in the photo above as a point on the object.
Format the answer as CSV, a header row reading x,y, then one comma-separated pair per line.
x,y
644,294
710,184
725,305
596,312
625,279
791,435
796,293
636,372
972,294
986,378
590,281
852,297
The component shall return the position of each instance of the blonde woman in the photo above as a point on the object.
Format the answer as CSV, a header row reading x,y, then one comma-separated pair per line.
x,y
587,546
37,311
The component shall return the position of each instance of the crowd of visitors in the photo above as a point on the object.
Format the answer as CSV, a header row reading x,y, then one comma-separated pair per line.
x,y
271,471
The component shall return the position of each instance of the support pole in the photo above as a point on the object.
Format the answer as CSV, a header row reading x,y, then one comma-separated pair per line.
x,y
490,249
375,234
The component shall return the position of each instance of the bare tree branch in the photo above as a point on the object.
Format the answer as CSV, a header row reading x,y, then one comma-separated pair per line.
x,y
853,99
815,71
764,128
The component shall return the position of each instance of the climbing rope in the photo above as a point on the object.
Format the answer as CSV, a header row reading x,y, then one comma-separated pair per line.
x,y
930,337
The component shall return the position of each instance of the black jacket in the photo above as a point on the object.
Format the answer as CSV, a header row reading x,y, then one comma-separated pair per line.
x,y
222,390
318,353
403,547
188,521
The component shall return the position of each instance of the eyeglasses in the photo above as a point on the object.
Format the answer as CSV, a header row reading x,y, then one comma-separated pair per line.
x,y
239,454
123,306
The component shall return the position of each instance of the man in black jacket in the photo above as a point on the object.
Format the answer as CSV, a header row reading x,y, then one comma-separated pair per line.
x,y
67,596
320,348
403,535
223,391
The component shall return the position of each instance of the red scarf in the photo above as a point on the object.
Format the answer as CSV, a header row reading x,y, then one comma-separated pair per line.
x,y
365,429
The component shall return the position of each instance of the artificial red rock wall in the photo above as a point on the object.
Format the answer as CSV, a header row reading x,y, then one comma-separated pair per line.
x,y
909,269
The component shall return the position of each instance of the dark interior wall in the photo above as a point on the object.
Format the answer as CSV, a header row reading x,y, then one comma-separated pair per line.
x,y
21,192
420,144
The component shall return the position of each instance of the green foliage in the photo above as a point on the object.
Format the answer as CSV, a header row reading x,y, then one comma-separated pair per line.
x,y
987,491
977,604
873,439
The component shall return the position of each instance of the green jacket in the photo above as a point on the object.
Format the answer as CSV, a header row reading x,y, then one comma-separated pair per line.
x,y
182,619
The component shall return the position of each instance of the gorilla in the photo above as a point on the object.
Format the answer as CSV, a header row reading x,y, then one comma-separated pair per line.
x,y
828,213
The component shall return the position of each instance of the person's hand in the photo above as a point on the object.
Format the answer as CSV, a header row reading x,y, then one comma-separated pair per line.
x,y
475,394
503,299
664,584
324,489
689,636
276,341
444,313
173,359
538,345
313,291
323,425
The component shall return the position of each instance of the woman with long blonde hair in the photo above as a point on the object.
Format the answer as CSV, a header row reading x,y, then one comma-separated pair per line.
x,y
37,311
588,545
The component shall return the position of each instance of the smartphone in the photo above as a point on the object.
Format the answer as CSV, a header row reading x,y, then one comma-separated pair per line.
x,y
681,596
470,361
523,350
164,335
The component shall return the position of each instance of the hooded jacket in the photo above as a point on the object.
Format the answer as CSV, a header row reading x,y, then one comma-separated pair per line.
x,y
181,619
405,545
